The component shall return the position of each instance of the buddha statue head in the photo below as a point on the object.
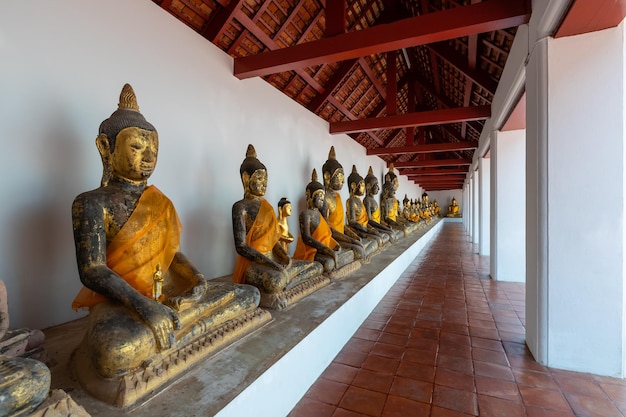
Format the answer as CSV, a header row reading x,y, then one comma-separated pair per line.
x,y
406,202
333,172
315,192
371,183
284,207
253,174
356,183
392,178
127,142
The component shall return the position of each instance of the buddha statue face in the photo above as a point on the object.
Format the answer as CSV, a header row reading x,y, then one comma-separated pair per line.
x,y
287,209
255,184
134,156
318,199
336,180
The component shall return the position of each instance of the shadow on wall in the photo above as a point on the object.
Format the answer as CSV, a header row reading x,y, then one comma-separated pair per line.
x,y
42,244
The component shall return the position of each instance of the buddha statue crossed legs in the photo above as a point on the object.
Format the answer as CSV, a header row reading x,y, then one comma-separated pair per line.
x,y
263,261
316,241
146,300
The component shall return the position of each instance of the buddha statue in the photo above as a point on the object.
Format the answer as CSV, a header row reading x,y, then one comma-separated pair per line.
x,y
408,213
425,198
390,205
356,214
263,261
436,208
284,211
24,381
147,302
373,209
316,242
334,213
453,208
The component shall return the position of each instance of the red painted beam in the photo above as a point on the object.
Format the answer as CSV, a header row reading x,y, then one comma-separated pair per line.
x,y
426,118
431,147
437,178
335,12
433,27
433,163
433,171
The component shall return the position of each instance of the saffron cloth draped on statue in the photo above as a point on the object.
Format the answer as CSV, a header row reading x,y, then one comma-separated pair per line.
x,y
322,234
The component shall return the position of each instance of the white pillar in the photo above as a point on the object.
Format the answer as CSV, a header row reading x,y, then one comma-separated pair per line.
x,y
575,153
465,206
508,206
484,179
468,207
475,213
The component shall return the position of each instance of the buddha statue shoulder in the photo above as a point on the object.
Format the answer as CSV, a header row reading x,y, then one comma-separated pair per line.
x,y
356,214
145,298
284,211
262,261
333,209
316,242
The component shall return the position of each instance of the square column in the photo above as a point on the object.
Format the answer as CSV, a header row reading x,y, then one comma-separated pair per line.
x,y
575,181
484,179
475,209
508,206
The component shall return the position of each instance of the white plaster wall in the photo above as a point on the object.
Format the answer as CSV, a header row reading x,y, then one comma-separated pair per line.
x,y
508,202
586,129
63,66
484,179
444,199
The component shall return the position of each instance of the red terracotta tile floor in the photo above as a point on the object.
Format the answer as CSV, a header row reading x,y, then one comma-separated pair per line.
x,y
447,341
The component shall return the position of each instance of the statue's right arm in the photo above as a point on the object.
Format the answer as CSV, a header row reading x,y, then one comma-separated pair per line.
x,y
305,233
88,217
239,213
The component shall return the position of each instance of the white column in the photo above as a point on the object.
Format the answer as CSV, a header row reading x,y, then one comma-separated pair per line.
x,y
484,179
468,207
475,212
508,206
465,206
575,153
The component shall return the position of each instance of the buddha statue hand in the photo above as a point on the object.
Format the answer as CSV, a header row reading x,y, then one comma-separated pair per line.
x,y
194,295
161,319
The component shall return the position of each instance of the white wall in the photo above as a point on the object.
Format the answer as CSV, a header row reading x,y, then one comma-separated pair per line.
x,y
575,147
63,66
484,179
444,199
508,206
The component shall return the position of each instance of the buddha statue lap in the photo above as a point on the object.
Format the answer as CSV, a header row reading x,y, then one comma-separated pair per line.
x,y
390,205
147,302
335,215
316,241
284,210
263,261
373,209
24,381
356,214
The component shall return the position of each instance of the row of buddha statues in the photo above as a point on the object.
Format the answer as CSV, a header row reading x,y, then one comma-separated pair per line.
x,y
152,313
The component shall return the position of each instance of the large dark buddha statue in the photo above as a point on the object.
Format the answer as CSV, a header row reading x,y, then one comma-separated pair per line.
x,y
316,241
263,261
146,300
334,213
390,205
373,209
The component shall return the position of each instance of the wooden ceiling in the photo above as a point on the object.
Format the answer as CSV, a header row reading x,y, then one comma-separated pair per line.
x,y
424,112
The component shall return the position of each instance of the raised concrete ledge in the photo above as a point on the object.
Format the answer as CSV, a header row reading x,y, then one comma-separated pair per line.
x,y
267,372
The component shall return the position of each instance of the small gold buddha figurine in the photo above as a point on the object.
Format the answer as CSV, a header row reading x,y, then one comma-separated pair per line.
x,y
263,261
453,208
127,234
334,213
373,209
24,382
284,211
356,214
316,240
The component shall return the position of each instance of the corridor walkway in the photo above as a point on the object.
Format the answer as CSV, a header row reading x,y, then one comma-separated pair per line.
x,y
447,341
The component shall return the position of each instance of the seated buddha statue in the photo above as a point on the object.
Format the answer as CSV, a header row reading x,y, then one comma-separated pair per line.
x,y
390,205
284,211
356,214
436,208
24,382
373,209
408,213
316,242
146,300
263,261
334,213
453,208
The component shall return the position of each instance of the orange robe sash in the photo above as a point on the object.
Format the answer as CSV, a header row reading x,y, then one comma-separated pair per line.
x,y
336,218
322,234
376,215
362,219
150,238
394,212
262,236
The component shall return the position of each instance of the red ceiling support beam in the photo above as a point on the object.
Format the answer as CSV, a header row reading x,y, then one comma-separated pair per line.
x,y
335,12
434,171
215,27
437,179
433,163
426,118
392,84
431,147
433,27
344,69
